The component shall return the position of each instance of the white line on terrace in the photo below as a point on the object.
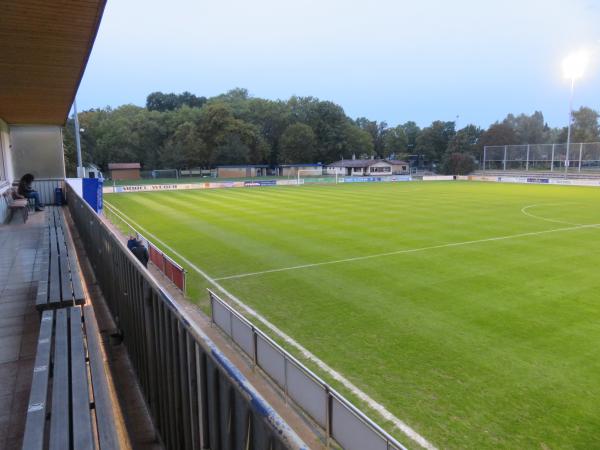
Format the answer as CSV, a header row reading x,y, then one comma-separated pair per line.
x,y
383,412
410,250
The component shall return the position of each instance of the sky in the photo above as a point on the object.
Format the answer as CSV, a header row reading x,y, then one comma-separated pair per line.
x,y
469,61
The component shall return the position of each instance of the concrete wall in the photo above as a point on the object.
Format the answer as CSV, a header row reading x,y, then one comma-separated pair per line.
x,y
6,174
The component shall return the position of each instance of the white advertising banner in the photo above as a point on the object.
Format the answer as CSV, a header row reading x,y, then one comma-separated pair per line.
x,y
438,177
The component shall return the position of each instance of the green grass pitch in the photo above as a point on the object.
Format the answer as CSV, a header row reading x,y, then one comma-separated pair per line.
x,y
470,310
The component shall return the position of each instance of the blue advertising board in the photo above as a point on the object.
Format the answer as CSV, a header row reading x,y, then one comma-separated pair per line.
x,y
92,192
363,179
261,183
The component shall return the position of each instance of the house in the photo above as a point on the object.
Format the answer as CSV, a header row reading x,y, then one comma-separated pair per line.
x,y
368,167
92,171
124,171
242,171
292,170
399,167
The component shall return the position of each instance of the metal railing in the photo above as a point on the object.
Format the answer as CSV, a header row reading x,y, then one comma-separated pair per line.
x,y
45,187
196,397
338,417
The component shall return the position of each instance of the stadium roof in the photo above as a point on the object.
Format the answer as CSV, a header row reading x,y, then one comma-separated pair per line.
x,y
365,162
45,48
302,165
119,166
242,165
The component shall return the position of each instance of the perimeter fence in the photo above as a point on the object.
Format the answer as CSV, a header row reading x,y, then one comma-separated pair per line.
x,y
170,268
341,420
580,157
197,398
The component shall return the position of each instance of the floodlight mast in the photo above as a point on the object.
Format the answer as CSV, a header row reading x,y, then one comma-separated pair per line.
x,y
573,67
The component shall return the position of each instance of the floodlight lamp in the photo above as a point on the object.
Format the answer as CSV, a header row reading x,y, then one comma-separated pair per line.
x,y
575,64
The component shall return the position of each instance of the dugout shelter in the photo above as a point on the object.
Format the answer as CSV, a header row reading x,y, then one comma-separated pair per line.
x,y
124,171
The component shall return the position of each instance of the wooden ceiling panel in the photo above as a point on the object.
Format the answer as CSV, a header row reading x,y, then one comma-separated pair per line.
x,y
44,48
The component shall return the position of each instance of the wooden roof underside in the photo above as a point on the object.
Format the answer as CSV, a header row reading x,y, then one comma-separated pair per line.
x,y
44,48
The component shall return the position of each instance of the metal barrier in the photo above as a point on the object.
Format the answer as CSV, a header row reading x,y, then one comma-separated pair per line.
x,y
341,420
163,262
197,398
546,157
45,188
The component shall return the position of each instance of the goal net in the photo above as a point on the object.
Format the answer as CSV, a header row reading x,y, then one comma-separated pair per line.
x,y
315,175
165,173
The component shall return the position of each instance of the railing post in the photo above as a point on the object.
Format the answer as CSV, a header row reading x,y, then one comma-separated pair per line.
x,y
254,347
580,154
552,158
285,379
328,408
505,152
527,160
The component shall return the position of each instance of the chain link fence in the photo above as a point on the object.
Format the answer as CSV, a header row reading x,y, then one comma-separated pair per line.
x,y
580,157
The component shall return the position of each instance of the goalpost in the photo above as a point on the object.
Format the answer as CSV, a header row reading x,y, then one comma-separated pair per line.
x,y
316,172
165,173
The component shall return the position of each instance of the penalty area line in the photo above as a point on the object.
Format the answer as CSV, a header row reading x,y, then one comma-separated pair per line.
x,y
410,250
374,405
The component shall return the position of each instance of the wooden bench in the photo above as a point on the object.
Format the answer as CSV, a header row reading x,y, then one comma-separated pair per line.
x,y
60,280
16,204
70,403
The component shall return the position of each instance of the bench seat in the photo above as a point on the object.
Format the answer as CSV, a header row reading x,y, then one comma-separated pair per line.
x,y
60,282
70,404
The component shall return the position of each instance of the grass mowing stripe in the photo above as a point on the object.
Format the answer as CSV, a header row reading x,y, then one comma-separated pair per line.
x,y
385,414
410,250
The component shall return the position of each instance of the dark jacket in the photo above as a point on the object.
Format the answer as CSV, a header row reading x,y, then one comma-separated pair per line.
x,y
24,187
141,253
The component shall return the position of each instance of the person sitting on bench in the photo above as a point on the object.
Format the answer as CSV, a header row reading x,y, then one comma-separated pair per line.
x,y
25,190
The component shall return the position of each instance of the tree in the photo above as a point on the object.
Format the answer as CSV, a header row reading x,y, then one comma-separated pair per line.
x,y
357,142
377,131
185,148
434,139
466,140
158,101
498,134
585,126
395,142
458,164
412,131
298,144
528,129
272,118
232,150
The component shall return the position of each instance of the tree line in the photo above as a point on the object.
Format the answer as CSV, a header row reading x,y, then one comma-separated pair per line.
x,y
184,131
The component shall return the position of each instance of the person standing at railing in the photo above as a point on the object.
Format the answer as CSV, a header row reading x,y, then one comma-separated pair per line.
x,y
139,250
25,190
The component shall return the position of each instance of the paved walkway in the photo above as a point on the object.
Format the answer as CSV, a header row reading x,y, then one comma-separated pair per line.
x,y
19,323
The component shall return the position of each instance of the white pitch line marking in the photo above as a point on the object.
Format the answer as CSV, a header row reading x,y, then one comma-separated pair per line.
x,y
410,250
525,208
383,412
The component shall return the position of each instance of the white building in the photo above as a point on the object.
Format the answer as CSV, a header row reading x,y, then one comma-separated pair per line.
x,y
368,167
